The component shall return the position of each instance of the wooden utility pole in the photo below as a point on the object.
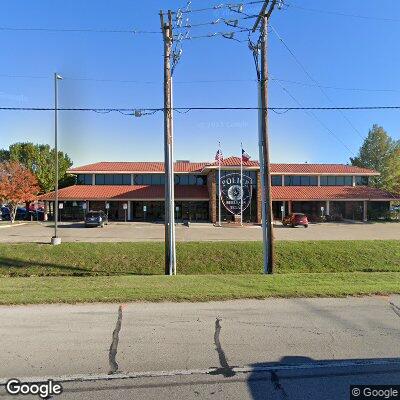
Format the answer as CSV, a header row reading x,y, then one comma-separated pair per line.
x,y
267,216
170,248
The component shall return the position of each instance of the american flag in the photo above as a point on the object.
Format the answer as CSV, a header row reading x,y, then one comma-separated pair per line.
x,y
245,156
219,157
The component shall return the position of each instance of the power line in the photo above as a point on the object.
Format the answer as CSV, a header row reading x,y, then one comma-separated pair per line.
x,y
116,109
313,115
341,14
230,6
300,64
195,81
78,30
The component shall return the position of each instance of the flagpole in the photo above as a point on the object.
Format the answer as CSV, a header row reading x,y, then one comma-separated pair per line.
x,y
241,184
219,185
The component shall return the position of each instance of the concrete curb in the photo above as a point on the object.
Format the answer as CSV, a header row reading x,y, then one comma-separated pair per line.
x,y
209,371
12,225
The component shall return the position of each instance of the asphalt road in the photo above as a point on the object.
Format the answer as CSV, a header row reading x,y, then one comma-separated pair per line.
x,y
128,232
269,349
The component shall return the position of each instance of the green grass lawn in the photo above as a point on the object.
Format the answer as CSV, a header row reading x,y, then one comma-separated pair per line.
x,y
69,289
83,259
119,272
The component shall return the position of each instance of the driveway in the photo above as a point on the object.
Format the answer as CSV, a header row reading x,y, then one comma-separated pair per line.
x,y
138,231
248,349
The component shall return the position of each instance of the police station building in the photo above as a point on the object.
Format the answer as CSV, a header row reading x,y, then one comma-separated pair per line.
x,y
135,191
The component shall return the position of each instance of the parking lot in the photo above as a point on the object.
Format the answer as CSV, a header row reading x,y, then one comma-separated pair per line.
x,y
139,231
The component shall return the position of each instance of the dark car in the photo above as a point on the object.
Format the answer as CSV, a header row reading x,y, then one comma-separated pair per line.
x,y
96,218
296,219
21,213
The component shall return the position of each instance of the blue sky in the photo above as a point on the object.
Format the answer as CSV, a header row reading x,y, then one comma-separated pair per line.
x,y
338,51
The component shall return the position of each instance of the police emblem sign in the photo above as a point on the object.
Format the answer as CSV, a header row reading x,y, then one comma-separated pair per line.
x,y
231,192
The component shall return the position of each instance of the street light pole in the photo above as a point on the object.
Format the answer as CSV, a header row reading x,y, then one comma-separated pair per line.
x,y
55,240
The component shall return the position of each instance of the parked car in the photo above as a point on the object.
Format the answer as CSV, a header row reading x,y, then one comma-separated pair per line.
x,y
295,219
96,218
21,213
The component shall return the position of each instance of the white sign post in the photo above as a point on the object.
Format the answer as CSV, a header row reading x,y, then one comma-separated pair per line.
x,y
125,207
144,212
107,208
60,207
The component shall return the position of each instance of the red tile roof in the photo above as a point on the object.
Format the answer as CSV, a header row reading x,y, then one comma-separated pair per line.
x,y
330,193
137,192
158,167
156,192
235,162
133,167
320,169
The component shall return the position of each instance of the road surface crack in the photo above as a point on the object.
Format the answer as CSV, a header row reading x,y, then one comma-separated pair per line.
x,y
396,309
226,370
112,354
277,385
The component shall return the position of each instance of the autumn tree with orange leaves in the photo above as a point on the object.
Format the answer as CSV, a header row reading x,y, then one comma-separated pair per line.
x,y
17,185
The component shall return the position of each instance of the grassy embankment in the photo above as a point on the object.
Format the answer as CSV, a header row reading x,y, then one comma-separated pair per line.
x,y
87,272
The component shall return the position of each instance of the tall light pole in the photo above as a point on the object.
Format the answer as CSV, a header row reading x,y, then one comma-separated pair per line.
x,y
55,240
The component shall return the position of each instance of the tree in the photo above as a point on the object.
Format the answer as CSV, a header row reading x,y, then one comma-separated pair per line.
x,y
4,155
381,153
39,159
17,185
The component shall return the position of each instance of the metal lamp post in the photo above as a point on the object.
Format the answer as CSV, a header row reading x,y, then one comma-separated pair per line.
x,y
55,240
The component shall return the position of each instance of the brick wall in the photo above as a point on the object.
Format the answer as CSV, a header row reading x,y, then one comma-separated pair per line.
x,y
259,203
212,192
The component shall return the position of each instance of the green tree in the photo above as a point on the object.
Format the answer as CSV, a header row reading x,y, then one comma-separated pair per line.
x,y
4,155
39,159
381,153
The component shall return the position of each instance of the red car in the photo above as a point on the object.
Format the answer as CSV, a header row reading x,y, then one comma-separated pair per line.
x,y
295,219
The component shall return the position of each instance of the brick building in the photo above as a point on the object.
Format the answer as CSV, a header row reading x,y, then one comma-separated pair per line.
x,y
135,191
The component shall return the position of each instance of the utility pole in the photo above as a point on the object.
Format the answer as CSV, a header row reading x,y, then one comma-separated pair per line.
x,y
170,248
267,218
55,240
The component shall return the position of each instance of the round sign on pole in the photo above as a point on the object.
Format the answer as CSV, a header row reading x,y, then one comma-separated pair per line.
x,y
60,206
107,206
235,196
125,206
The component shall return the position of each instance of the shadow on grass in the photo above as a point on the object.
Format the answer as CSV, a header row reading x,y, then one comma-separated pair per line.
x,y
13,267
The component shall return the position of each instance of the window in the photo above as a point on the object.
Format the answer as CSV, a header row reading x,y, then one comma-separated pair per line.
x,y
126,179
362,180
301,180
201,180
336,180
276,180
84,179
331,180
99,179
113,179
149,179
190,179
348,181
313,181
108,179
